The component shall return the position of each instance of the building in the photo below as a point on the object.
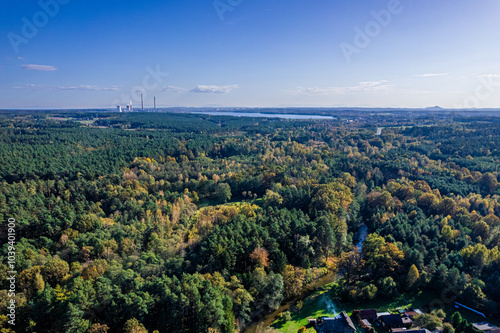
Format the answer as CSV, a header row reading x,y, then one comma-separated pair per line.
x,y
391,321
420,330
380,314
484,327
369,314
413,312
341,323
407,321
365,323
365,317
119,108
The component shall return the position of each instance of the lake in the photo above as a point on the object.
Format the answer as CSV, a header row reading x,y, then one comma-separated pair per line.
x,y
263,115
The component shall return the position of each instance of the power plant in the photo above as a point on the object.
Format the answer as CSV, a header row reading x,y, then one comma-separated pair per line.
x,y
130,108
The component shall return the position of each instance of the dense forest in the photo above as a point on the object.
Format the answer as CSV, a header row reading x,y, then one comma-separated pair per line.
x,y
146,222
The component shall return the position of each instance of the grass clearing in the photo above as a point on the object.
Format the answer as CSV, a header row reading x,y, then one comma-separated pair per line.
x,y
321,303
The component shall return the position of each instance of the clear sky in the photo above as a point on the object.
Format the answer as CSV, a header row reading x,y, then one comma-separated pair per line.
x,y
407,53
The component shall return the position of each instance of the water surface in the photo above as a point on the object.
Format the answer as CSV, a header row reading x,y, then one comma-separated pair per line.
x,y
263,115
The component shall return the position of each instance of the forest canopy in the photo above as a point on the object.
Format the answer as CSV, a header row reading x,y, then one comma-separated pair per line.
x,y
189,223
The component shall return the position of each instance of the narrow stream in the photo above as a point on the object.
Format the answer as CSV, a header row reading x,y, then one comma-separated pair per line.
x,y
361,236
308,290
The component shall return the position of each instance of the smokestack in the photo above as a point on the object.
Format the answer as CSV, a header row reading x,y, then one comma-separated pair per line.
x,y
142,103
155,103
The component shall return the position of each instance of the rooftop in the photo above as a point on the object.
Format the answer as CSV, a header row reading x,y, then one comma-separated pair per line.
x,y
341,323
369,314
484,326
392,320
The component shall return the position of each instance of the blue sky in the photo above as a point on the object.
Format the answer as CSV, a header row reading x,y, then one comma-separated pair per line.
x,y
406,53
